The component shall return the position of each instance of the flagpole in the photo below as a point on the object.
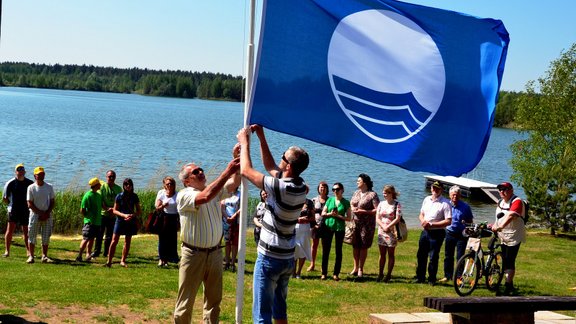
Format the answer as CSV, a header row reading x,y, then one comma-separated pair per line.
x,y
244,190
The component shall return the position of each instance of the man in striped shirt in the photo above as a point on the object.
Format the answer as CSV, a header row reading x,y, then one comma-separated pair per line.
x,y
201,232
286,194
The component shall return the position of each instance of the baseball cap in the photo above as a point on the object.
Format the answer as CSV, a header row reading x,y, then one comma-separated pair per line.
x,y
504,185
21,165
437,184
38,170
94,181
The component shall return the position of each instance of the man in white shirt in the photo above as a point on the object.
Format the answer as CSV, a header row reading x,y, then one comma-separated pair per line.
x,y
40,199
201,232
435,215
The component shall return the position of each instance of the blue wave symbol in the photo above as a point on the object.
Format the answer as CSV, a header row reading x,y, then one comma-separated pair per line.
x,y
388,116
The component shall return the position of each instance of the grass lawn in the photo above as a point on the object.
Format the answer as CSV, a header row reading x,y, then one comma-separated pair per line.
x,y
67,291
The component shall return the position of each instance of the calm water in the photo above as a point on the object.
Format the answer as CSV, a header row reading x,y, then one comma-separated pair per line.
x,y
78,135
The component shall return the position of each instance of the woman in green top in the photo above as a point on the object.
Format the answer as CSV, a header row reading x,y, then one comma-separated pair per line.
x,y
335,213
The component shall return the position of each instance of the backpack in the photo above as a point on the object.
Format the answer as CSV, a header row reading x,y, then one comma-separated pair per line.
x,y
526,206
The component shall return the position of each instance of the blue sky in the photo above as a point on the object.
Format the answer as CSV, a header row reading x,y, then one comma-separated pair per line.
x,y
210,35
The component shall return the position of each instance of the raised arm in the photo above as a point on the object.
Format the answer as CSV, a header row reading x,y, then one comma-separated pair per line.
x,y
214,188
267,158
246,168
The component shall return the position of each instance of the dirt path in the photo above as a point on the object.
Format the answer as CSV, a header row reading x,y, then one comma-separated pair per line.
x,y
48,313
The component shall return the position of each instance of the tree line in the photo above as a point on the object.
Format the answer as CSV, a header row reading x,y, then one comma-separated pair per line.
x,y
180,84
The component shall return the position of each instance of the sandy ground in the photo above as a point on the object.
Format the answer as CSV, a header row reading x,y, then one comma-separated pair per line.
x,y
47,313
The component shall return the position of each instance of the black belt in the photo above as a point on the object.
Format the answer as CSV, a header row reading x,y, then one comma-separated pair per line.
x,y
199,249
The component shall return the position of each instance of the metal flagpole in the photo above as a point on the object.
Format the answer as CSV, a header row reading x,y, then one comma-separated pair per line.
x,y
244,190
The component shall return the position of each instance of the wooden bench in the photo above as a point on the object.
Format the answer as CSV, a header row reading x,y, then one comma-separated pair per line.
x,y
502,310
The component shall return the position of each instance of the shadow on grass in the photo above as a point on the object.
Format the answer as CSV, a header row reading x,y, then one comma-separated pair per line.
x,y
15,320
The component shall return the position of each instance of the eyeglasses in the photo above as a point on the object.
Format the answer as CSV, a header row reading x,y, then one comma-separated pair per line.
x,y
336,189
111,176
503,189
285,159
20,169
197,171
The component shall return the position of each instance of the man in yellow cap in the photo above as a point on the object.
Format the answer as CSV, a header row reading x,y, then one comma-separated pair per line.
x,y
14,195
109,191
40,199
91,208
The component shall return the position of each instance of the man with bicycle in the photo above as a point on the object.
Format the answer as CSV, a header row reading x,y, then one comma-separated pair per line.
x,y
511,230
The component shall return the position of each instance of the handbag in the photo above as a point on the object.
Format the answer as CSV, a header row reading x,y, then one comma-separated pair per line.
x,y
401,228
155,223
349,232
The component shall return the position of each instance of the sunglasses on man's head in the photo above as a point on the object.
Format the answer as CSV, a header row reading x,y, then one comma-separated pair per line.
x,y
197,171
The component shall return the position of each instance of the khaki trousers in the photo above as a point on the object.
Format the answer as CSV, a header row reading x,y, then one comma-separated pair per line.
x,y
195,268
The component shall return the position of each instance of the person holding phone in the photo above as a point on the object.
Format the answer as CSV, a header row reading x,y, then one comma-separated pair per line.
x,y
335,214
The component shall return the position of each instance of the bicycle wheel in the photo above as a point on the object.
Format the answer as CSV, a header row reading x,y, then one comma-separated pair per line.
x,y
467,274
495,273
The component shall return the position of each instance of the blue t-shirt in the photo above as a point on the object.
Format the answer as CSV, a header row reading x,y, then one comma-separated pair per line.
x,y
460,212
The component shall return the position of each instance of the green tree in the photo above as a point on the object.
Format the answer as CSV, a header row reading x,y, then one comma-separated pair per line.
x,y
544,163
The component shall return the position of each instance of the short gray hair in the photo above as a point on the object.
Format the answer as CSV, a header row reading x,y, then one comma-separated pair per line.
x,y
455,188
183,175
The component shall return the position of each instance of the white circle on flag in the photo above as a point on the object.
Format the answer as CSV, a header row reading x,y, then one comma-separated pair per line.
x,y
386,73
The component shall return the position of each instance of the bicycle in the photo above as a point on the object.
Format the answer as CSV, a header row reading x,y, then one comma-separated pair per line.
x,y
474,264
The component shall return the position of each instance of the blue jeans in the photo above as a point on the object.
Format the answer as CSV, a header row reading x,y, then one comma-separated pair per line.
x,y
271,278
429,247
454,241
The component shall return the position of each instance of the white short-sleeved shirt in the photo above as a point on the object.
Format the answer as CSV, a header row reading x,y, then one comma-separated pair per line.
x,y
201,226
172,207
436,210
40,196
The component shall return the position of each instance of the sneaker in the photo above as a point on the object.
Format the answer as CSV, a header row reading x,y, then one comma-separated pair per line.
x,y
30,259
95,254
5,255
78,258
46,259
89,258
444,279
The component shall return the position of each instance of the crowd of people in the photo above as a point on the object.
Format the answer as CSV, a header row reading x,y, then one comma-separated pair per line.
x,y
289,227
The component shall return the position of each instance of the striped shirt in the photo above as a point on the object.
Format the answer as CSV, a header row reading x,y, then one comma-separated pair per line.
x,y
201,226
285,199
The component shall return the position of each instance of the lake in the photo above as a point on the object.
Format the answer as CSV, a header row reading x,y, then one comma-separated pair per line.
x,y
77,135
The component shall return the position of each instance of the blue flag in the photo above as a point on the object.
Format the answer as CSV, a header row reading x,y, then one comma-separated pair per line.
x,y
399,83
